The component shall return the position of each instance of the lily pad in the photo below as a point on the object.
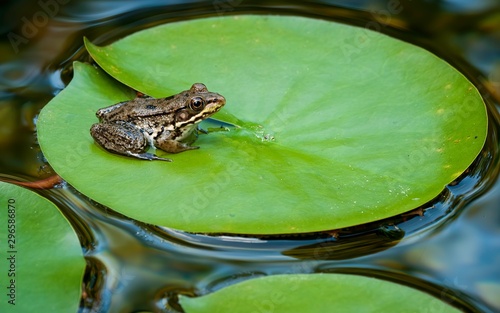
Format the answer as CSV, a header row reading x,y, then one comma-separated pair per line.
x,y
335,126
41,258
315,293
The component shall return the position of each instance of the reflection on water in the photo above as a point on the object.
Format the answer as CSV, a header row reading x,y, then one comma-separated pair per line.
x,y
449,247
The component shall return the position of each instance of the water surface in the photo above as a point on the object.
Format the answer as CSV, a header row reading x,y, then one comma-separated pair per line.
x,y
450,248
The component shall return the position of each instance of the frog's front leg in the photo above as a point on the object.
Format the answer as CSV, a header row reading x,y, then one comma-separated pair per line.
x,y
165,142
123,138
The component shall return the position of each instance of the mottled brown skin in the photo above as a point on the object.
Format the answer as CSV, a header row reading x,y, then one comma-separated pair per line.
x,y
170,124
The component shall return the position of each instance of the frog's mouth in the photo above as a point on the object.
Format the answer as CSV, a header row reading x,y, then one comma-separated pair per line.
x,y
213,105
195,119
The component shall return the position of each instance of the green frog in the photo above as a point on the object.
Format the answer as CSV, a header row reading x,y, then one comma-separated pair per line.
x,y
132,127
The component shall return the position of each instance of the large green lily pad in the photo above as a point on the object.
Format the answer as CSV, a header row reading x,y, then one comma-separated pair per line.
x,y
315,293
41,258
336,126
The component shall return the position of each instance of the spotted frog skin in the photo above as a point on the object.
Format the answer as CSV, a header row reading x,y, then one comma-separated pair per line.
x,y
132,127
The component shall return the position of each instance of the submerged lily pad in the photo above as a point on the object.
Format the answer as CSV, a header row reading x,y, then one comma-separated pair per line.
x,y
336,126
315,293
41,258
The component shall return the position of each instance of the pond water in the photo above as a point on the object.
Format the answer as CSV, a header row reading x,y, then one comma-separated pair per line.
x,y
449,248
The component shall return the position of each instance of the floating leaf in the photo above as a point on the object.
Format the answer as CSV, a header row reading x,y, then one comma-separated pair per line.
x,y
315,293
41,259
337,126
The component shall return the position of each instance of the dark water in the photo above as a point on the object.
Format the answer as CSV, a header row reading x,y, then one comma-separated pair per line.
x,y
449,248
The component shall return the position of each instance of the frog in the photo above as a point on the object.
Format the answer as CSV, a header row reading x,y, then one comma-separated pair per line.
x,y
132,128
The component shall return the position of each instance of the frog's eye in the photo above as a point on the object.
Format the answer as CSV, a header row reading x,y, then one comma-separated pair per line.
x,y
197,104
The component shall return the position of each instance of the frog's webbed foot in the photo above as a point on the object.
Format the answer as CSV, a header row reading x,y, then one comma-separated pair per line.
x,y
148,156
202,131
211,130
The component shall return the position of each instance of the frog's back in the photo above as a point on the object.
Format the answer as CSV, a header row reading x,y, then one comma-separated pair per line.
x,y
133,109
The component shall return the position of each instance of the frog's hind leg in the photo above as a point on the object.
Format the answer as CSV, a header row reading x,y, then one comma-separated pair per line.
x,y
123,138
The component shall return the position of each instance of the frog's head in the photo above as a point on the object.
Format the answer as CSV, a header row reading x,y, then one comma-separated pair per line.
x,y
199,104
